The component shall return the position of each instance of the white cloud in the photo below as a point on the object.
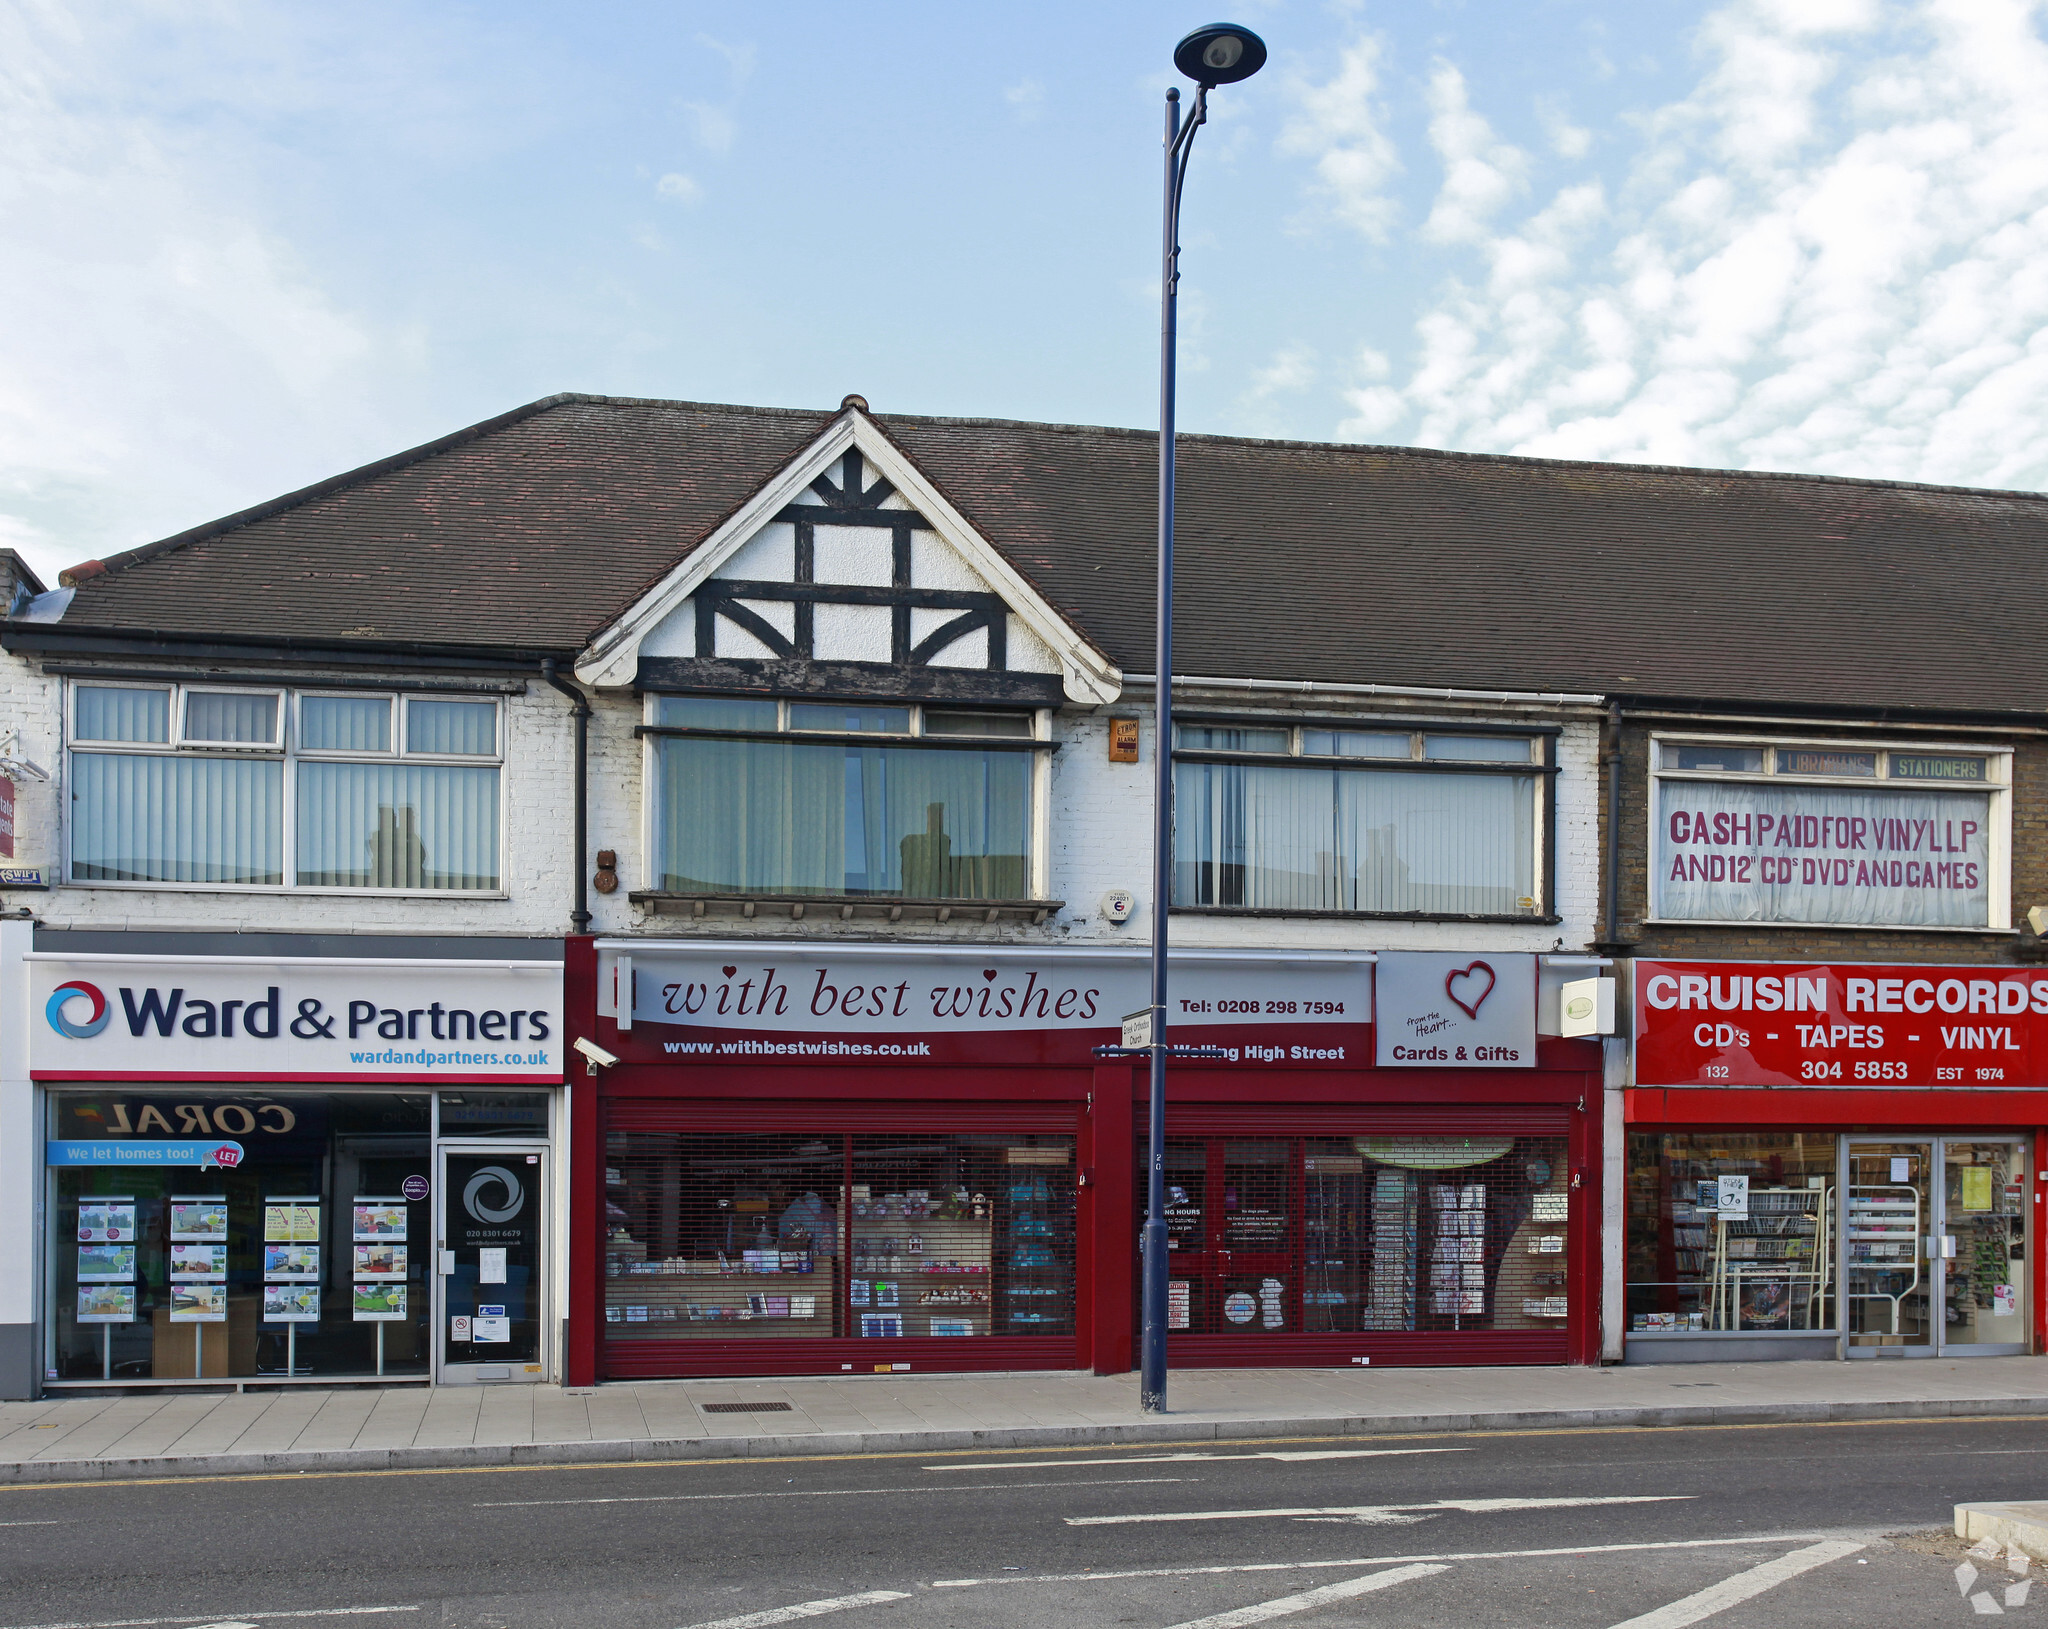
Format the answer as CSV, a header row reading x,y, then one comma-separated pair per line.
x,y
156,331
1340,125
1026,98
1830,254
1481,172
678,187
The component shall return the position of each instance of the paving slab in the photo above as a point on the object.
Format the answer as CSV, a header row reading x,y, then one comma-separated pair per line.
x,y
78,1438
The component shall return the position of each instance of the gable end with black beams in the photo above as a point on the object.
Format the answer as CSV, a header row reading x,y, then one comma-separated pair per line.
x,y
849,576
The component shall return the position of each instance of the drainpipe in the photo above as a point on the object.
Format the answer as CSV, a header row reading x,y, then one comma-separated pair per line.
x,y
1613,934
579,919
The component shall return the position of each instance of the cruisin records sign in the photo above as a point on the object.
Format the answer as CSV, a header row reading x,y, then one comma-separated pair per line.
x,y
760,1003
1836,1024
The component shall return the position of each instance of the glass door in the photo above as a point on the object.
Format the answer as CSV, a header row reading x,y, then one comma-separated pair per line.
x,y
1889,1282
1982,1245
491,1247
1230,1205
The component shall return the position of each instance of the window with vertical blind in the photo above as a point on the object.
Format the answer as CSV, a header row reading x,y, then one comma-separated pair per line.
x,y
754,795
180,784
1304,818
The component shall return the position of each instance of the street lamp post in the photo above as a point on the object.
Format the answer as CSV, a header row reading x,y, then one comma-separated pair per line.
x,y
1220,54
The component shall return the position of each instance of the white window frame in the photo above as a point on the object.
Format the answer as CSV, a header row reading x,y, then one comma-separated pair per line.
x,y
1536,763
287,751
1038,864
181,703
1997,783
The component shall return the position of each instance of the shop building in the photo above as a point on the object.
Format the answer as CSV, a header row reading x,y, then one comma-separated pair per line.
x,y
827,1158
1825,1140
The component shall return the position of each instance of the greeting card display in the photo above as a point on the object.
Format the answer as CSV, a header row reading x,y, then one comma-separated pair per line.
x,y
199,1217
105,1263
106,1303
109,1221
380,1220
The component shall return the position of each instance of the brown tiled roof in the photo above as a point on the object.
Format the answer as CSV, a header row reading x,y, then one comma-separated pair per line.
x,y
1296,560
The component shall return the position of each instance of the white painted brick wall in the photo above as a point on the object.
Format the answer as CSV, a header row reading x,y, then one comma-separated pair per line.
x,y
1100,839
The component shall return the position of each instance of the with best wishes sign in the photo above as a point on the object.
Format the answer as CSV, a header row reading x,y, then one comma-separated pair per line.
x,y
1782,1024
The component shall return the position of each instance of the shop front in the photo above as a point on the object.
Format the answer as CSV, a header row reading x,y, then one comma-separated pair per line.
x,y
1834,1160
296,1170
828,1159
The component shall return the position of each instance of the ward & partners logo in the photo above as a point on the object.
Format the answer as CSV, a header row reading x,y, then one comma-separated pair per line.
x,y
62,996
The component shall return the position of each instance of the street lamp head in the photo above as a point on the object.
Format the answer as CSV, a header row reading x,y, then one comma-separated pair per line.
x,y
1220,54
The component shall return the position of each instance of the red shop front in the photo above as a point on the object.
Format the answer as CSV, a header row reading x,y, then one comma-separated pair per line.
x,y
1835,1160
823,1159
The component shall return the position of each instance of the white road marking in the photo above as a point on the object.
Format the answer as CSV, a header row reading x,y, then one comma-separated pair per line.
x,y
204,1622
1743,1586
1175,1459
51,1522
804,1609
1308,1600
1099,1575
815,1493
1391,1515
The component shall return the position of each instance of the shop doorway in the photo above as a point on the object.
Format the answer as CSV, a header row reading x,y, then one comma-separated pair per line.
x,y
1933,1246
490,1213
1230,1206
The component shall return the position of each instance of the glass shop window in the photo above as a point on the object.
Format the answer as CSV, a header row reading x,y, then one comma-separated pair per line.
x,y
790,1236
1339,1235
1730,1231
307,1258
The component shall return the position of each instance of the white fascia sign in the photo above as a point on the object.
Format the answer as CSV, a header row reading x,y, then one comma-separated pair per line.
x,y
230,1018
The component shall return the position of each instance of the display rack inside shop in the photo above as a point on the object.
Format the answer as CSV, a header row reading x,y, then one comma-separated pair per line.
x,y
1771,1264
758,1274
1882,1231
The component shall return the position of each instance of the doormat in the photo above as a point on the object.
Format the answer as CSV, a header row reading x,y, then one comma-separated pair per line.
x,y
744,1408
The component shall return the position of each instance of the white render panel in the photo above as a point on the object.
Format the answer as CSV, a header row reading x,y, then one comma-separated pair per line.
x,y
1027,652
970,650
925,619
778,614
675,634
850,633
934,563
852,554
728,638
769,556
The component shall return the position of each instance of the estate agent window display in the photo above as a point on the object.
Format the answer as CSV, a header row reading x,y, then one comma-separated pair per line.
x,y
308,1258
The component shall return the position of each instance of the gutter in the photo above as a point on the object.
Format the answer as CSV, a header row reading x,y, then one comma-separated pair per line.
x,y
579,918
1544,698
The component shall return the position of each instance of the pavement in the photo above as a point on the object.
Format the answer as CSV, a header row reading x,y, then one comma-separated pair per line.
x,y
72,1437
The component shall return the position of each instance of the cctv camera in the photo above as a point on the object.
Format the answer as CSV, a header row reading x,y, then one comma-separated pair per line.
x,y
595,1056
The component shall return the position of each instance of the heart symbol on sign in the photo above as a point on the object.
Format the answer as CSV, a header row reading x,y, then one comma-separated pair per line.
x,y
1467,978
728,971
989,973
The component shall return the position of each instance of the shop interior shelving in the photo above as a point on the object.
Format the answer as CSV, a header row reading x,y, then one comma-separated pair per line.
x,y
1785,1240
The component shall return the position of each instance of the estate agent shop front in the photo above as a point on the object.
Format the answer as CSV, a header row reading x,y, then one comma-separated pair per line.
x,y
823,1159
1835,1160
296,1170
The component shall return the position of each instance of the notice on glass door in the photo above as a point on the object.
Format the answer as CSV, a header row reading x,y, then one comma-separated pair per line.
x,y
490,1264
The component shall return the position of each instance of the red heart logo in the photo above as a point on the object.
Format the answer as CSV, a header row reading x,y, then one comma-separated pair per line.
x,y
1467,978
989,973
729,971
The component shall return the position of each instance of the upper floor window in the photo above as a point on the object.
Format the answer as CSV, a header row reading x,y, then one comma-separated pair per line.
x,y
185,784
796,797
1829,833
1430,822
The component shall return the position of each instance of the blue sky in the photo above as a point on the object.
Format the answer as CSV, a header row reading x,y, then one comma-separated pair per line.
x,y
249,245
